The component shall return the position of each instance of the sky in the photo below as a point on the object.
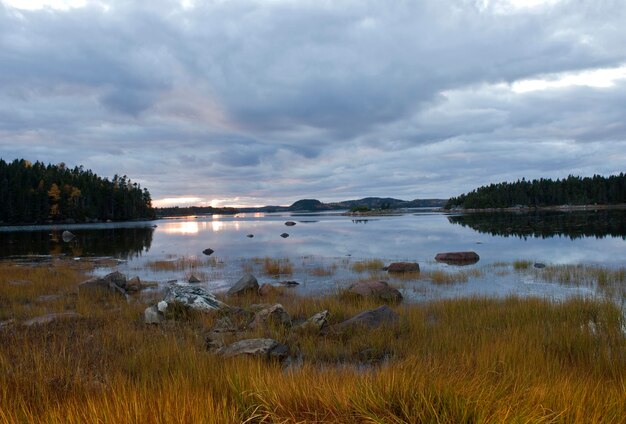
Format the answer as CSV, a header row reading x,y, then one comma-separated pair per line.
x,y
257,102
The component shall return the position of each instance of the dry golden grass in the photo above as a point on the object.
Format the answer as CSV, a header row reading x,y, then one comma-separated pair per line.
x,y
449,361
521,265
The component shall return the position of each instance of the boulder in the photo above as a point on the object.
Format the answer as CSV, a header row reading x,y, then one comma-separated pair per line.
x,y
116,278
264,348
457,258
290,223
208,251
539,265
315,323
403,267
247,283
67,236
195,297
134,285
193,279
98,287
269,290
370,319
50,318
376,289
284,235
152,315
274,315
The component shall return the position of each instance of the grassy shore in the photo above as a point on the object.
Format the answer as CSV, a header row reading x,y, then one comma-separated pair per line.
x,y
451,361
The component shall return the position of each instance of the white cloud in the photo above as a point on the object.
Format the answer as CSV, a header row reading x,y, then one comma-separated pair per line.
x,y
597,78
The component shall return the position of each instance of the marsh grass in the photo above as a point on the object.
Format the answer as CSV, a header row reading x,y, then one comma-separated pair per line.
x,y
449,361
520,265
183,264
323,271
371,265
439,276
277,267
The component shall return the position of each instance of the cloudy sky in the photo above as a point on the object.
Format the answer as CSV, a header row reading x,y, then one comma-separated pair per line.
x,y
248,102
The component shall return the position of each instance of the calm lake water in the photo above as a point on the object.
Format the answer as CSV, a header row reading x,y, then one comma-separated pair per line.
x,y
322,248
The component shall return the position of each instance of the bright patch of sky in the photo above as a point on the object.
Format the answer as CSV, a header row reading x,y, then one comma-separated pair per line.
x,y
598,78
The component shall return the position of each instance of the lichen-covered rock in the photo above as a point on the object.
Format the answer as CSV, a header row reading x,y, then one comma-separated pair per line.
x,y
194,297
274,315
152,315
315,323
246,284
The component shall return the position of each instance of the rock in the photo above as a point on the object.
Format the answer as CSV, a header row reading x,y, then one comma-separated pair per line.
x,y
152,315
98,287
315,323
458,258
290,223
50,318
134,285
193,279
194,297
274,315
370,319
224,325
67,236
45,298
116,278
249,235
208,251
269,290
376,289
289,283
284,235
247,283
264,348
539,265
403,267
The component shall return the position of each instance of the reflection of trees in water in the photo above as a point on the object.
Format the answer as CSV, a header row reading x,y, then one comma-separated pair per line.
x,y
545,224
121,243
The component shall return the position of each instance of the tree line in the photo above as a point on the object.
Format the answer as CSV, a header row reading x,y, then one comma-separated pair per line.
x,y
39,193
545,192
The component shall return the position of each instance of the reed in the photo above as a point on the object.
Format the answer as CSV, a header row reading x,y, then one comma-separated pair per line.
x,y
459,360
277,267
371,265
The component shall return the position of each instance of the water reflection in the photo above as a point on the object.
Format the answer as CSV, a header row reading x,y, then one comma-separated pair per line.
x,y
575,225
124,243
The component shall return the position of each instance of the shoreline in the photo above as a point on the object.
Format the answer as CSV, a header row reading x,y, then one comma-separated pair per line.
x,y
561,208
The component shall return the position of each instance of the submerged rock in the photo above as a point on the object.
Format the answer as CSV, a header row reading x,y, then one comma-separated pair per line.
x,y
403,267
458,258
289,283
208,251
290,223
67,236
247,283
376,289
539,265
249,235
284,235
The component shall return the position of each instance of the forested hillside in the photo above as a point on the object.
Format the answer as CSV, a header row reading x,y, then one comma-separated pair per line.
x,y
545,192
39,193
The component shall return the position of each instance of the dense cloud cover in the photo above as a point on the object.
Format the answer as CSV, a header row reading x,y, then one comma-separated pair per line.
x,y
264,102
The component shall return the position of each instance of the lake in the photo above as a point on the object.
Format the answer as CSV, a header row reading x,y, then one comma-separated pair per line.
x,y
322,249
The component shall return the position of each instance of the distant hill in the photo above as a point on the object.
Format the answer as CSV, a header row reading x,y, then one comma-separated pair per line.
x,y
308,205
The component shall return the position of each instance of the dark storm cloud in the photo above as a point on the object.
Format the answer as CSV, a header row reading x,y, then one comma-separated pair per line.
x,y
278,100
